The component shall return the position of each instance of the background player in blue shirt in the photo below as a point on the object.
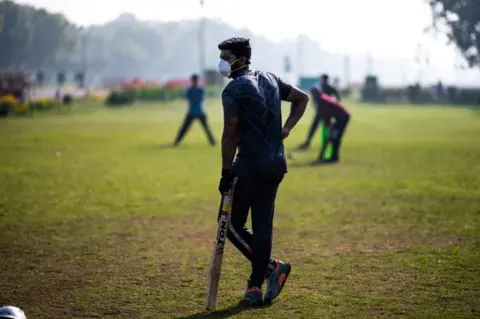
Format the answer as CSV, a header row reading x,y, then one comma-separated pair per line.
x,y
253,126
195,96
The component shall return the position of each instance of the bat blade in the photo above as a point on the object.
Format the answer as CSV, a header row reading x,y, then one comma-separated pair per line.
x,y
217,253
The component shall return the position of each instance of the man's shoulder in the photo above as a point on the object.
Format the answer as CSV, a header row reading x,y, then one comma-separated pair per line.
x,y
235,85
272,77
227,89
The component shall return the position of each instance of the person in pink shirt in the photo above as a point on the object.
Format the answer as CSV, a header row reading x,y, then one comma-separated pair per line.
x,y
336,117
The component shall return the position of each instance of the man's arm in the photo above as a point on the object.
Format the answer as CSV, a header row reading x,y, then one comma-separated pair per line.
x,y
230,127
335,93
316,98
299,101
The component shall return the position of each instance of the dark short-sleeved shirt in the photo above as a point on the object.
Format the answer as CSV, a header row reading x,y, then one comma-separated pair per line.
x,y
195,96
330,108
255,97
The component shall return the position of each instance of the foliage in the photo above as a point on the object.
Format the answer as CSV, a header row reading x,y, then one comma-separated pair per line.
x,y
33,38
7,104
67,99
462,18
416,94
11,105
126,47
153,93
468,96
44,105
158,93
394,95
120,98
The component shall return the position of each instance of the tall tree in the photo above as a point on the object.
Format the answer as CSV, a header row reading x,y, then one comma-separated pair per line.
x,y
462,19
33,38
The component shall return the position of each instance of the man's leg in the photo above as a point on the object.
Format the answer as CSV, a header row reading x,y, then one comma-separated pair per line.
x,y
339,127
313,128
183,129
238,233
206,128
263,205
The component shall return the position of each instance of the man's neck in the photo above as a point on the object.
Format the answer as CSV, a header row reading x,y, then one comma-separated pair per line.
x,y
240,72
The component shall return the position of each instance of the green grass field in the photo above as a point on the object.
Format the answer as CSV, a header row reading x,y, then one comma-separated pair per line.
x,y
100,218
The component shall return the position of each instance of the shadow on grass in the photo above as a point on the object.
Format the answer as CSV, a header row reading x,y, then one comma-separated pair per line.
x,y
309,164
181,147
225,313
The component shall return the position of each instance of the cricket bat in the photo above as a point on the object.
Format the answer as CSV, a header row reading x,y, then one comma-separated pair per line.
x,y
217,252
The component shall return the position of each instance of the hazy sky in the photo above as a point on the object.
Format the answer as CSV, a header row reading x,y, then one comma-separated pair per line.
x,y
383,27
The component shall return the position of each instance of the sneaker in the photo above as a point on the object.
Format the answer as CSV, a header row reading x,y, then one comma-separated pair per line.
x,y
276,280
332,160
254,296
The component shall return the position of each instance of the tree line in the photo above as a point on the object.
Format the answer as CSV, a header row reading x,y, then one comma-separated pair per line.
x,y
34,39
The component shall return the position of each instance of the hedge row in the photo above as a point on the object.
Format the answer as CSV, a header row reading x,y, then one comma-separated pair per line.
x,y
160,94
415,95
11,105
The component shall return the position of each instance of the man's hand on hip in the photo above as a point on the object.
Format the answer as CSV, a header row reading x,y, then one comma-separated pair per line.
x,y
285,133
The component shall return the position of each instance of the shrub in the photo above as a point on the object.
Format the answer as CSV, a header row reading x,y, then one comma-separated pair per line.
x,y
120,98
43,104
67,99
7,104
464,96
155,93
171,92
152,94
393,94
22,108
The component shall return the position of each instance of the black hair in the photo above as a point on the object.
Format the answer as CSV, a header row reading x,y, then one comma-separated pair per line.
x,y
194,77
240,47
324,77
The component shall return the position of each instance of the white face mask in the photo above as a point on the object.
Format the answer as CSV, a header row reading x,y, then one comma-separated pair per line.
x,y
225,68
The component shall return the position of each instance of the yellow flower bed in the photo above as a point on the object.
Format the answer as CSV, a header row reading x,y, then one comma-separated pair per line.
x,y
22,107
10,99
9,104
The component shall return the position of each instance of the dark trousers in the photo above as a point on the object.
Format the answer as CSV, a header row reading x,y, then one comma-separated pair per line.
x,y
255,190
313,127
338,130
188,122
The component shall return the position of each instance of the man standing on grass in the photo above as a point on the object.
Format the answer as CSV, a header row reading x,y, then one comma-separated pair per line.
x,y
336,118
322,87
195,96
253,124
